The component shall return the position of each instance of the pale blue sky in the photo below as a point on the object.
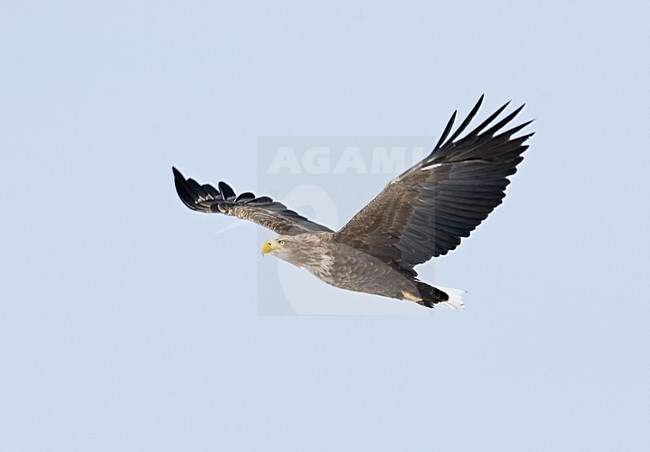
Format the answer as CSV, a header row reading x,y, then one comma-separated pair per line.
x,y
128,323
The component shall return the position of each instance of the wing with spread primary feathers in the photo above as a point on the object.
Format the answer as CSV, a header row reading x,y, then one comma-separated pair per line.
x,y
263,210
424,212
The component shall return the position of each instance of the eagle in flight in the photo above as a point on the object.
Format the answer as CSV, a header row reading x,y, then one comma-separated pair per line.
x,y
421,214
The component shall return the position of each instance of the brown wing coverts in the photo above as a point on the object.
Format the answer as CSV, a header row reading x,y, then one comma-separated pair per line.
x,y
261,210
426,211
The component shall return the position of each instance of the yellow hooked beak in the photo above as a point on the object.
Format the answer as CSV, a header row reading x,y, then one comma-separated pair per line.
x,y
268,247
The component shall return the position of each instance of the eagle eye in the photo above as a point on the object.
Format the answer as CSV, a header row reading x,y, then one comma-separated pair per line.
x,y
281,242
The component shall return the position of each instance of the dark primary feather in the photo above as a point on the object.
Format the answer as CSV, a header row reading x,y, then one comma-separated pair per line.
x,y
263,210
425,212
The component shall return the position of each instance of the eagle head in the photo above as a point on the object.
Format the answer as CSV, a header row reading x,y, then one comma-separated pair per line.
x,y
276,245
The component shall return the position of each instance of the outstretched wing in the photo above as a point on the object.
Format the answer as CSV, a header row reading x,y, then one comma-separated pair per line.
x,y
263,210
424,212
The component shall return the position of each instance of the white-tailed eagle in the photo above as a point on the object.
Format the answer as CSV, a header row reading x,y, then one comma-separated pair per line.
x,y
421,214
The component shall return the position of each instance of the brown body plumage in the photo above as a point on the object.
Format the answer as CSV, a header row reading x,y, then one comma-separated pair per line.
x,y
345,267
